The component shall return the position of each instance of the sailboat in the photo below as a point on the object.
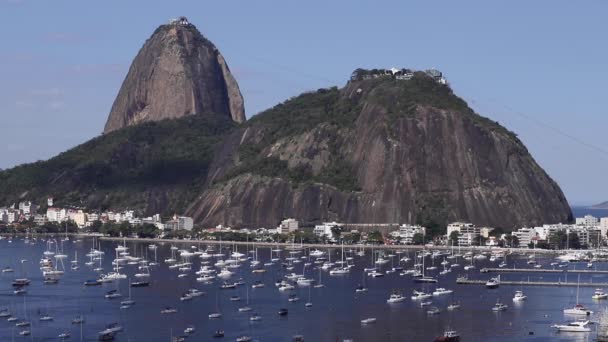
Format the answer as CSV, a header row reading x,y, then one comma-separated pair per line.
x,y
361,287
75,262
578,309
309,303
246,308
217,313
320,283
424,279
340,270
125,304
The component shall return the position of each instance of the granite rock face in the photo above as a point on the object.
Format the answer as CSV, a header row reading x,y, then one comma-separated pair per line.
x,y
415,153
177,72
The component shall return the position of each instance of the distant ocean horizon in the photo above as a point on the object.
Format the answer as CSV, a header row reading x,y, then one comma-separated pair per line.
x,y
580,211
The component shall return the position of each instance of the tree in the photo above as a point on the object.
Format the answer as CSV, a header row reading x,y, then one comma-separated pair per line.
x,y
454,238
512,241
375,237
336,232
418,239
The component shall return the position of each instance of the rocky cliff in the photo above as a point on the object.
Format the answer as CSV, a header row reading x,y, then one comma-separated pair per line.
x,y
377,151
177,72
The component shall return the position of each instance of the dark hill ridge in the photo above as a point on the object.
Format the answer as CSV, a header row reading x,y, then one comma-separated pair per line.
x,y
376,151
153,167
379,150
603,205
177,72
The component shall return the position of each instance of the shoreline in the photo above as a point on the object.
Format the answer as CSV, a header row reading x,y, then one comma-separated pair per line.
x,y
311,245
350,246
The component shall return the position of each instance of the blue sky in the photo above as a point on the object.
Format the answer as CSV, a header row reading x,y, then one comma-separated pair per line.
x,y
537,67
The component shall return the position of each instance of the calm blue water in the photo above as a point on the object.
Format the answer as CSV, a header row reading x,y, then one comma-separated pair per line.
x,y
335,314
582,211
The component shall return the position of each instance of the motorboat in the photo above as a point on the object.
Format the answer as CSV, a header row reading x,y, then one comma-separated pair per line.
x,y
168,310
395,298
577,326
448,336
140,284
375,274
339,271
433,311
255,317
519,296
194,293
214,315
425,280
493,283
453,306
113,294
218,334
418,295
78,320
189,330
441,291
257,284
283,312
599,294
499,307
369,320
360,288
92,282
20,282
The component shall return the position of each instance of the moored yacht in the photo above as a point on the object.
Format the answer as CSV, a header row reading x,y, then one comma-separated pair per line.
x,y
395,298
578,309
599,294
519,296
577,326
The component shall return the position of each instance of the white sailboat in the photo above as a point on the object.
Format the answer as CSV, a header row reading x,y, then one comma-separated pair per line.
x,y
578,309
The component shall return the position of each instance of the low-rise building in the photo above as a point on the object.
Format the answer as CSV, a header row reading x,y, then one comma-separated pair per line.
x,y
27,208
587,220
179,223
40,219
80,218
468,233
287,226
525,236
406,233
324,230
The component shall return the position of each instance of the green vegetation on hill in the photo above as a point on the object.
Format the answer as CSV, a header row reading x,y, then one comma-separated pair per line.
x,y
294,117
119,168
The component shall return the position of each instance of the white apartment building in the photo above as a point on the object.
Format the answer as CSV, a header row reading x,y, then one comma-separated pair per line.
x,y
587,220
287,226
525,236
52,214
325,229
12,215
406,233
27,207
179,223
80,218
468,232
604,225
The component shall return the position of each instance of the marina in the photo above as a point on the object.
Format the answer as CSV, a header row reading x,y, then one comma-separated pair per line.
x,y
136,290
